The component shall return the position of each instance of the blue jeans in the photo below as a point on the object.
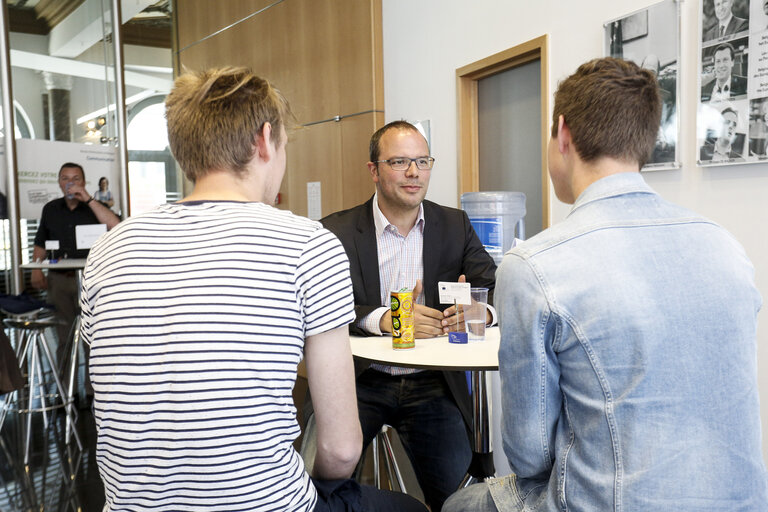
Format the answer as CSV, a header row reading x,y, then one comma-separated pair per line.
x,y
428,422
476,498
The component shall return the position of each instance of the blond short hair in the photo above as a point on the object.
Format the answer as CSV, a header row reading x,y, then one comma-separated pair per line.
x,y
215,115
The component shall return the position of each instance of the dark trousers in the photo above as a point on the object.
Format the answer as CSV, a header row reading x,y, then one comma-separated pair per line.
x,y
63,294
349,496
420,407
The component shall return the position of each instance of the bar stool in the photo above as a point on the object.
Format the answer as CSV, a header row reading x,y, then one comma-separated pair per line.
x,y
33,352
382,440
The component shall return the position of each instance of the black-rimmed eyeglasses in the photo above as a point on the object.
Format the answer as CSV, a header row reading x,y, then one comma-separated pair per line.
x,y
402,163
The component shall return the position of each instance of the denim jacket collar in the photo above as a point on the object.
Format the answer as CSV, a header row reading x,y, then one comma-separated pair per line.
x,y
611,186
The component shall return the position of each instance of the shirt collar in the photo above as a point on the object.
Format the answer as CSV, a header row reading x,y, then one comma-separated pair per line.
x,y
613,185
380,222
725,22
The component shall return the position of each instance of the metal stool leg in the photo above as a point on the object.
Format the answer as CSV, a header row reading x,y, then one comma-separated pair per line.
x,y
72,372
41,394
389,456
376,471
33,367
66,398
21,354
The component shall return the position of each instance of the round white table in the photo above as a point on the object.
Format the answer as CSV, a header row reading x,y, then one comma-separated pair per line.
x,y
438,354
432,353
63,264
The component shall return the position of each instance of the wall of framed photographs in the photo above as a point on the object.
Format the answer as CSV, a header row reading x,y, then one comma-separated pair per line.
x,y
732,113
461,32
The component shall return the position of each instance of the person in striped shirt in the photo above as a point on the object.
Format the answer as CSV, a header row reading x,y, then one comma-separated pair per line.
x,y
198,313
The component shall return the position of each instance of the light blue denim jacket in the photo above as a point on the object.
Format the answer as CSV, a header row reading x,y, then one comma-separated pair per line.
x,y
628,361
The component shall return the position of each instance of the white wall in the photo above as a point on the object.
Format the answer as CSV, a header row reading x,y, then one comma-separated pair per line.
x,y
426,41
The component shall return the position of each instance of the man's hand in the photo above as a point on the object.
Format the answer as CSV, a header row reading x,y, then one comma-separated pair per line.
x,y
79,192
38,279
427,321
451,318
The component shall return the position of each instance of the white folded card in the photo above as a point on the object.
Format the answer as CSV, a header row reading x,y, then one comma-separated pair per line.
x,y
454,293
51,245
87,234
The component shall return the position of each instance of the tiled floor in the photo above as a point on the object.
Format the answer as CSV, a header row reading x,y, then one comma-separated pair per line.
x,y
58,475
54,475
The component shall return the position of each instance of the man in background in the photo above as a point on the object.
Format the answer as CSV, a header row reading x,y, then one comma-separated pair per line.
x,y
396,240
58,221
628,351
198,313
727,24
726,85
722,148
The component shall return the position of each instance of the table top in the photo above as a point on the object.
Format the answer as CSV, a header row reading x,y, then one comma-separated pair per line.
x,y
63,264
432,353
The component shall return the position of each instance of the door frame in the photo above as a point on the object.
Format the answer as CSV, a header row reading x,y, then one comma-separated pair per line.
x,y
467,78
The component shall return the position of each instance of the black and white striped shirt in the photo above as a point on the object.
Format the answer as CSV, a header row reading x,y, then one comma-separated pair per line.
x,y
196,314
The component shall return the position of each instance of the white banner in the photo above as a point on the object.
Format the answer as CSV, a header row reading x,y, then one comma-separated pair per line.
x,y
39,162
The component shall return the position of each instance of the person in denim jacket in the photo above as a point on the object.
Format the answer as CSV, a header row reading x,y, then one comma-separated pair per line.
x,y
628,352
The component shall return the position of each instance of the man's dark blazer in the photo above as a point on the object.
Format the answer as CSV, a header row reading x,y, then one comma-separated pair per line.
x,y
738,88
734,26
451,248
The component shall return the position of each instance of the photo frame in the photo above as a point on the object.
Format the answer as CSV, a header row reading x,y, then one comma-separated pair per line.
x,y
732,108
635,26
650,37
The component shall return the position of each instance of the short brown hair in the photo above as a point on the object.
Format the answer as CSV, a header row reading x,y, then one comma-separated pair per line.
x,y
374,148
214,115
612,108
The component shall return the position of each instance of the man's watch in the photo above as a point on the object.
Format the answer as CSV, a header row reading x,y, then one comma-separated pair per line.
x,y
89,200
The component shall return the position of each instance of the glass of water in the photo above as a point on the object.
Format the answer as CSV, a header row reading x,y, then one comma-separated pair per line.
x,y
474,314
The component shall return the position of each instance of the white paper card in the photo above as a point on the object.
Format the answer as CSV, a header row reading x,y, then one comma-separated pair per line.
x,y
457,293
87,234
51,245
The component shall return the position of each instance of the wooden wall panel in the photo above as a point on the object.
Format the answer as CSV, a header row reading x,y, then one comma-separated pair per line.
x,y
314,154
325,56
320,53
356,182
200,18
358,57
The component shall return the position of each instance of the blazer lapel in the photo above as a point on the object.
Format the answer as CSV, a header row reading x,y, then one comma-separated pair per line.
x,y
367,253
430,255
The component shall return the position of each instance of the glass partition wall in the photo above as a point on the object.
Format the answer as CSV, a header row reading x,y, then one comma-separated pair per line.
x,y
64,89
66,95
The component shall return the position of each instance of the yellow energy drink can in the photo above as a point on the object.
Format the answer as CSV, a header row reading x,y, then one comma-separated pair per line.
x,y
401,304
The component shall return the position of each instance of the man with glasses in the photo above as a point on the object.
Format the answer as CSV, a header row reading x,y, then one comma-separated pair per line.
x,y
57,222
399,240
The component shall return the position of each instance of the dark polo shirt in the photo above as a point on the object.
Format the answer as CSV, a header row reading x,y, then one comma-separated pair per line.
x,y
57,222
